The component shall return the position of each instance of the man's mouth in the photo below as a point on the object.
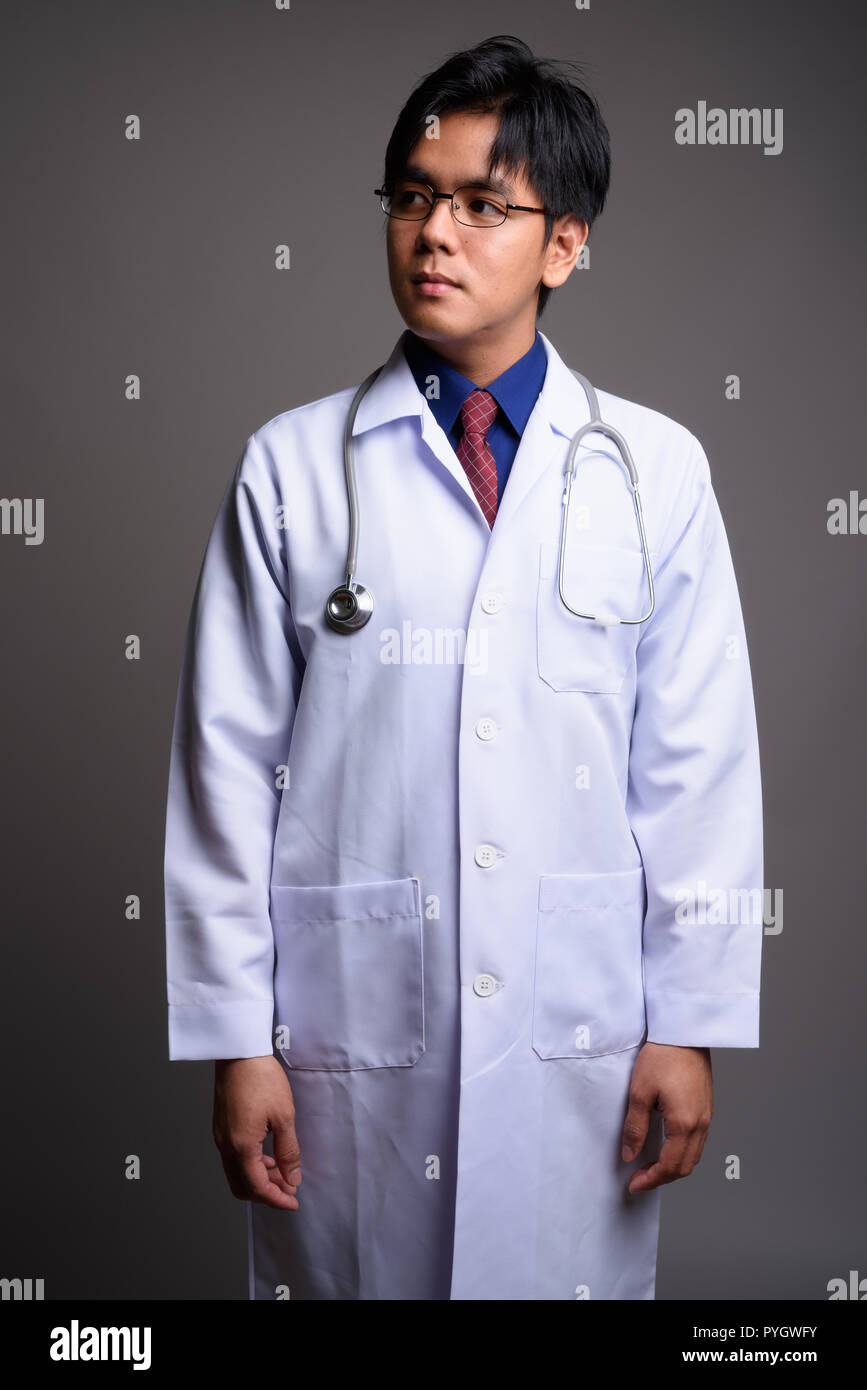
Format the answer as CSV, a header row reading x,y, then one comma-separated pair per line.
x,y
432,284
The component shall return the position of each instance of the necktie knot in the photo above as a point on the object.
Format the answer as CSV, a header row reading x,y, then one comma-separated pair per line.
x,y
478,412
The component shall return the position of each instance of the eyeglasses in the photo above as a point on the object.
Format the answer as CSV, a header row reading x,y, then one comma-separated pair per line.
x,y
472,205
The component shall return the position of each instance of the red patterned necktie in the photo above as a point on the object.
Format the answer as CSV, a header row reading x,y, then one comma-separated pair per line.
x,y
477,415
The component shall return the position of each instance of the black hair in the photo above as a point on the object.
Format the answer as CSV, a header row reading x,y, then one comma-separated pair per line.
x,y
550,125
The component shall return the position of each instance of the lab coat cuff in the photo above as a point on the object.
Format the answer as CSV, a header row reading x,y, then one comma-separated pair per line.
x,y
703,1020
242,1028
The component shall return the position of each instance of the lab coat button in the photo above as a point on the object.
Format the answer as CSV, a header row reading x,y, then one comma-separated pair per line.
x,y
483,985
486,728
492,603
485,856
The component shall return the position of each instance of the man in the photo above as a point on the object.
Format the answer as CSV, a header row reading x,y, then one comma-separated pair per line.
x,y
431,907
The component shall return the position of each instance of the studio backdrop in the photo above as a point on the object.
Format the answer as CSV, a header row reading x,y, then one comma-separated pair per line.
x,y
192,247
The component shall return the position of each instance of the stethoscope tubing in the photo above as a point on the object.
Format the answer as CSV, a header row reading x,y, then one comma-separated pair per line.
x,y
350,605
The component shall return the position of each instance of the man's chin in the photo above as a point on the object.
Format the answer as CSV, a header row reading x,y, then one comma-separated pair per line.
x,y
435,321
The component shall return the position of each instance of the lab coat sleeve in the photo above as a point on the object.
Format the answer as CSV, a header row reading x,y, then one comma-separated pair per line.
x,y
233,720
694,796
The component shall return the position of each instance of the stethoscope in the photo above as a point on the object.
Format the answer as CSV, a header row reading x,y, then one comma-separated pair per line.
x,y
350,605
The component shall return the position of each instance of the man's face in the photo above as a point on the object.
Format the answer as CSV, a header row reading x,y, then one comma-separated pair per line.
x,y
496,270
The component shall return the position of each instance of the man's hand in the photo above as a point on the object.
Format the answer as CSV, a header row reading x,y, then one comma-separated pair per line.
x,y
252,1095
677,1081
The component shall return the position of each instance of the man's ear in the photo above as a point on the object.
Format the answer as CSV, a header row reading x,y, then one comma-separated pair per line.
x,y
568,237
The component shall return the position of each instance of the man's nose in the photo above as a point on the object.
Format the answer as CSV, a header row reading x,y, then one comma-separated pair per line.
x,y
439,225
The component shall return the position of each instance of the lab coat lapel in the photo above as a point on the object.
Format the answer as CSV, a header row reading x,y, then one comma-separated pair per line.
x,y
560,409
395,395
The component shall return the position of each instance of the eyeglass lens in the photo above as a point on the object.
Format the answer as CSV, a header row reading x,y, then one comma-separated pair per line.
x,y
474,206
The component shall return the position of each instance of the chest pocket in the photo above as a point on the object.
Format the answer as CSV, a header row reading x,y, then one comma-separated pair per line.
x,y
588,989
576,653
348,975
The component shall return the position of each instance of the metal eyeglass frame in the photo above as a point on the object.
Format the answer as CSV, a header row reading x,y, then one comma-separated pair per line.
x,y
517,207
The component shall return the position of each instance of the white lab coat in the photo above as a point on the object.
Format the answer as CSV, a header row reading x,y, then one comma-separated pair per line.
x,y
460,912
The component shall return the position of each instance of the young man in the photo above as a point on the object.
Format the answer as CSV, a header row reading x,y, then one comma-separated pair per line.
x,y
428,882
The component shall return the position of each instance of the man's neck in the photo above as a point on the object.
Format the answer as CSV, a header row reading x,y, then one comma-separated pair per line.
x,y
481,363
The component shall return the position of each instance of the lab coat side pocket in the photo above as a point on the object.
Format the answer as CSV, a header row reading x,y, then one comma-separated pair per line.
x,y
576,653
349,975
588,990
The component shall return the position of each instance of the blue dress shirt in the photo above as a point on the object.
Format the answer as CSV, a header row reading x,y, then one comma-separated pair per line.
x,y
515,392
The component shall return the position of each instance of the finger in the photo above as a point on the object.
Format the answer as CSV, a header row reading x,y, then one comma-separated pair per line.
x,y
258,1188
275,1176
238,1182
665,1169
694,1147
287,1152
635,1127
274,1171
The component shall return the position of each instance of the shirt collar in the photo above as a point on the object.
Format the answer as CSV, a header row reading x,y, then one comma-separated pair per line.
x,y
515,390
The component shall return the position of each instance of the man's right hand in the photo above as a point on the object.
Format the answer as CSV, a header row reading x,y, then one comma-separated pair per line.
x,y
252,1095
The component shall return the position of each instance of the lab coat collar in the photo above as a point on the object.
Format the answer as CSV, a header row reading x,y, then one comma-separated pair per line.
x,y
561,408
394,395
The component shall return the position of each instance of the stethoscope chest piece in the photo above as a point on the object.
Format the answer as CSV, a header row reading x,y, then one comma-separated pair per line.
x,y
348,608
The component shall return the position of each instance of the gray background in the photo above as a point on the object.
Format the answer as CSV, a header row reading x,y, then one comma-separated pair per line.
x,y
156,257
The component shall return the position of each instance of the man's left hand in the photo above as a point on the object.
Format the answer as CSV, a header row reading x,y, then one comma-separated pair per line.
x,y
678,1082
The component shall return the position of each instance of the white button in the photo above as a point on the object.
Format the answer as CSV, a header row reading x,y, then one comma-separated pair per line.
x,y
485,856
486,728
492,603
483,985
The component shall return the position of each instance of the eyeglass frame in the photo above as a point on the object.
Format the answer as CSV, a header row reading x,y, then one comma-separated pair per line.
x,y
517,207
